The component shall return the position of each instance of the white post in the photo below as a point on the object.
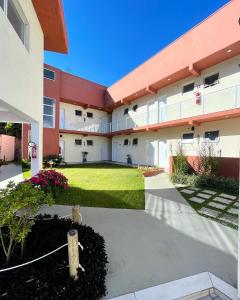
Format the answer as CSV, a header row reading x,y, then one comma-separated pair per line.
x,y
76,215
36,138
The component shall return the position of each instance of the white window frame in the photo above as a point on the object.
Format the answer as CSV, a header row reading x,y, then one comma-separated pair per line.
x,y
54,111
51,71
23,18
205,140
187,141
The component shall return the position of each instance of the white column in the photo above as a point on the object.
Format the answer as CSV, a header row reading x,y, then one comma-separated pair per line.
x,y
36,137
238,287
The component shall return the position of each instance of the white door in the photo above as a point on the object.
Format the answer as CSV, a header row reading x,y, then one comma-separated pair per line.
x,y
163,109
62,148
152,153
115,151
152,112
104,152
162,154
62,118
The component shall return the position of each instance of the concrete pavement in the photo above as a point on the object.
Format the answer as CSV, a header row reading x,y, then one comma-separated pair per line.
x,y
165,242
10,172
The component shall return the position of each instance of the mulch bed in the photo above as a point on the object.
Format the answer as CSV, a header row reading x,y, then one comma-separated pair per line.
x,y
152,173
49,278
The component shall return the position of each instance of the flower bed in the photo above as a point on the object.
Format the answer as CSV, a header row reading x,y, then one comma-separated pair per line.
x,y
50,181
49,277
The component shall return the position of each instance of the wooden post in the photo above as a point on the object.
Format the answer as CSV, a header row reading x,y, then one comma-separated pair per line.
x,y
73,253
76,217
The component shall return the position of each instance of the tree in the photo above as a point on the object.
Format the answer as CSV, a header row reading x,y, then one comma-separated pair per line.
x,y
18,205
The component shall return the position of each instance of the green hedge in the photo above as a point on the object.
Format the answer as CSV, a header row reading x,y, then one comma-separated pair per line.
x,y
227,184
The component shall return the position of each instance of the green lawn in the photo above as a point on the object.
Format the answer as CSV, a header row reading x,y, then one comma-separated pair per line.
x,y
103,185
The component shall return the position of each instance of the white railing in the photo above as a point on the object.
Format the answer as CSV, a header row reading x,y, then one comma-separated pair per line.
x,y
216,101
87,127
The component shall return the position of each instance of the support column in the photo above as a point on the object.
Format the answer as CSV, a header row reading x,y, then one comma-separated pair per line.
x,y
238,259
36,138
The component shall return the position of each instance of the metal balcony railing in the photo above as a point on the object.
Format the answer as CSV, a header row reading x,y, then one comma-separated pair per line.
x,y
224,99
87,127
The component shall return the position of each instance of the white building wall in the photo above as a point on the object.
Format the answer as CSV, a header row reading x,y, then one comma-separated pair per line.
x,y
73,153
74,122
222,96
228,144
21,74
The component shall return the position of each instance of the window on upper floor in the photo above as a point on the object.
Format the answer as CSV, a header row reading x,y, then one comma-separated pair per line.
x,y
187,138
135,107
135,142
16,18
89,142
89,114
188,88
49,74
125,142
78,142
211,136
78,113
211,80
48,112
125,112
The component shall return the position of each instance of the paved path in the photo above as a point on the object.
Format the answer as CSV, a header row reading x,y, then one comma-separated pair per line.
x,y
168,241
10,172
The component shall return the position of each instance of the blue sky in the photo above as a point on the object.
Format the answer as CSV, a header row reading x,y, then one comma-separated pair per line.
x,y
109,38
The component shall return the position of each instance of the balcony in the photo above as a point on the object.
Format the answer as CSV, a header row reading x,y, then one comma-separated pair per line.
x,y
86,127
206,103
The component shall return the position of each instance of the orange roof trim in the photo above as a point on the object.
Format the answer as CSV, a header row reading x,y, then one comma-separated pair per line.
x,y
51,17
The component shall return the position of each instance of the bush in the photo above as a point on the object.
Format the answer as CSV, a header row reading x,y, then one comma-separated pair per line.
x,y
56,159
226,184
26,164
208,162
180,165
13,228
50,181
49,277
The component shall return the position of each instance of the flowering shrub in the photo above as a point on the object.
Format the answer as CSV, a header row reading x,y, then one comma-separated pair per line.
x,y
50,181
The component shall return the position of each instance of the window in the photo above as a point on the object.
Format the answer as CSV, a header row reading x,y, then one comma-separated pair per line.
x,y
49,74
78,112
15,18
78,142
211,136
135,107
125,143
135,142
125,112
48,112
211,80
188,88
90,142
187,138
89,115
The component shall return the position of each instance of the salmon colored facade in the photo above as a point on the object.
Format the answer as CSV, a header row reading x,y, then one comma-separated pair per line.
x,y
212,46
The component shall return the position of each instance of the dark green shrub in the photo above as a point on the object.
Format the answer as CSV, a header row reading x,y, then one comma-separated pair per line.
x,y
26,164
56,159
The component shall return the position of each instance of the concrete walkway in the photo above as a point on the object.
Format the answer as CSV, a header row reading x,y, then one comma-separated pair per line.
x,y
10,172
166,242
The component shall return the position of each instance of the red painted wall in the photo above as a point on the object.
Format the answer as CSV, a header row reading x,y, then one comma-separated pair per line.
x,y
25,129
229,166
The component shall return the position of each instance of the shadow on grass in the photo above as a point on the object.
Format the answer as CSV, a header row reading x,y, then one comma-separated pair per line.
x,y
94,166
131,199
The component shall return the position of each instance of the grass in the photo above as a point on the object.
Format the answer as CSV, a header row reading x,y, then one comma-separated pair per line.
x,y
26,173
103,185
198,206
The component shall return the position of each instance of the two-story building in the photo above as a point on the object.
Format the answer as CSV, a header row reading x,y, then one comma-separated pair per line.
x,y
188,94
26,29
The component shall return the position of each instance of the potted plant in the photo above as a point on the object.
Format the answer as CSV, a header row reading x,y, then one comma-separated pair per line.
x,y
84,156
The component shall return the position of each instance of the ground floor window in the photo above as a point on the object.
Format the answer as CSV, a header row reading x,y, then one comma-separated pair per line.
x,y
135,142
125,143
78,142
89,142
